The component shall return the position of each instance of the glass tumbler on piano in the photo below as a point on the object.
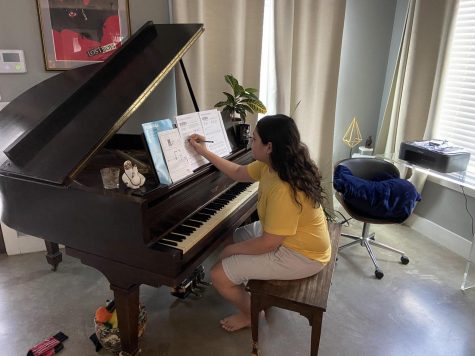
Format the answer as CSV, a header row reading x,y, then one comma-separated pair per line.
x,y
110,177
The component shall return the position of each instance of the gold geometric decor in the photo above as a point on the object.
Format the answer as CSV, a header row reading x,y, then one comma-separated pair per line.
x,y
352,135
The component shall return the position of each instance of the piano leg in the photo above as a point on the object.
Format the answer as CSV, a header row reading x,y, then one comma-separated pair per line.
x,y
127,306
53,256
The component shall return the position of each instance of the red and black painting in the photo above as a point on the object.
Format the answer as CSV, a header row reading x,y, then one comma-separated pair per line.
x,y
82,30
85,29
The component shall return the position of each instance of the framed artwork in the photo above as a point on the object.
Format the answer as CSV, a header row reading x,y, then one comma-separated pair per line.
x,y
79,32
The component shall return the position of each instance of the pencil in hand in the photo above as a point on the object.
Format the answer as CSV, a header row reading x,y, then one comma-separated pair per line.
x,y
199,141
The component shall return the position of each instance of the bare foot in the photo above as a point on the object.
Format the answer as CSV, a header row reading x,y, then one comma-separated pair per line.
x,y
236,322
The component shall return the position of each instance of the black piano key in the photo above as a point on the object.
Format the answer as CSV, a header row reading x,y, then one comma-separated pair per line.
x,y
192,223
214,206
166,242
184,230
187,228
200,217
157,246
208,211
174,237
227,196
221,201
235,191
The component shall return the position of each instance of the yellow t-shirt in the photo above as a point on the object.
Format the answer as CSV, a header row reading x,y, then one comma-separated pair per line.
x,y
305,229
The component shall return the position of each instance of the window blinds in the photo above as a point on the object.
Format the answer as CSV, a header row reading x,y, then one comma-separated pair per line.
x,y
456,119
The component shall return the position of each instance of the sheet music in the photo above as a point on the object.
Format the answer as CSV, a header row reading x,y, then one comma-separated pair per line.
x,y
175,154
180,157
213,129
189,124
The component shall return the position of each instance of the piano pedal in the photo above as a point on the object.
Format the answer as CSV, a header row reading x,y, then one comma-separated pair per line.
x,y
191,285
183,289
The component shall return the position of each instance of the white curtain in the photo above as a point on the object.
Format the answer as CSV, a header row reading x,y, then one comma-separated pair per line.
x,y
308,35
230,44
410,111
412,103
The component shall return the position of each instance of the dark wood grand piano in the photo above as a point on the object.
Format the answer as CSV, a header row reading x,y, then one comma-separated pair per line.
x,y
56,136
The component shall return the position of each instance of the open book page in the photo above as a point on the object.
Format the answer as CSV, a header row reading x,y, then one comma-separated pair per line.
x,y
187,125
175,154
151,130
213,129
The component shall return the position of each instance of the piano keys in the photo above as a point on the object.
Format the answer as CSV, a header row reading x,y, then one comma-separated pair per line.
x,y
200,224
58,134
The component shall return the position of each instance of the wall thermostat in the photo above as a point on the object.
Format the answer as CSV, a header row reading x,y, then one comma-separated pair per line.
x,y
12,61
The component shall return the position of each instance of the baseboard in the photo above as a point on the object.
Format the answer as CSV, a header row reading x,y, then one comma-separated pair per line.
x,y
441,235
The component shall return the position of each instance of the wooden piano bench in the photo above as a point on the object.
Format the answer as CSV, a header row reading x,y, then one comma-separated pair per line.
x,y
307,296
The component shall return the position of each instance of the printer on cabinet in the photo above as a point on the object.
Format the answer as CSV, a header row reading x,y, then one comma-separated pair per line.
x,y
438,155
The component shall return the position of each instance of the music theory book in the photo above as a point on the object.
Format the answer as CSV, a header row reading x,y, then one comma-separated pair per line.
x,y
151,130
171,146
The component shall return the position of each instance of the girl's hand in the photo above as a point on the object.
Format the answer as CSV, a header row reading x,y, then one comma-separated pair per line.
x,y
197,142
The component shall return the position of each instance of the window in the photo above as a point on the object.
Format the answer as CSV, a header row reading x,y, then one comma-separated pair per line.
x,y
456,118
268,80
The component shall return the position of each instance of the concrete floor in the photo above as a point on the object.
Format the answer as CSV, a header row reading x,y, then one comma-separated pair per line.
x,y
416,309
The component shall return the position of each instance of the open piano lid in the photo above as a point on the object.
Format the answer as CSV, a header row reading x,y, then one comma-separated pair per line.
x,y
50,132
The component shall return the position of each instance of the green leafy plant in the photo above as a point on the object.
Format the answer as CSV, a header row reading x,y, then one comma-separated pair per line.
x,y
241,101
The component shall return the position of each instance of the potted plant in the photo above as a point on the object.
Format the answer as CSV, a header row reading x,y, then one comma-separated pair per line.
x,y
237,105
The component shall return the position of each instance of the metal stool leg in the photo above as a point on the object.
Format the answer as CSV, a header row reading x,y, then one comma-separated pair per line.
x,y
370,251
349,244
386,247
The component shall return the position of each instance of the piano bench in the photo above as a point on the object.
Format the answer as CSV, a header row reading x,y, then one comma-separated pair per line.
x,y
307,296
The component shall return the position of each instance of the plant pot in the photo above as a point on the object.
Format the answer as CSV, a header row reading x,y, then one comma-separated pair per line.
x,y
243,133
229,126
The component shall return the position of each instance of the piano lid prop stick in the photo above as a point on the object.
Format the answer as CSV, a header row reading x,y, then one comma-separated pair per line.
x,y
129,157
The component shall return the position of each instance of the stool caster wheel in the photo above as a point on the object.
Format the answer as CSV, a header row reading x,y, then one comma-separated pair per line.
x,y
379,274
404,260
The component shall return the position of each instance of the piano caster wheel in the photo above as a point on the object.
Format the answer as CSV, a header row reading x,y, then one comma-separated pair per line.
x,y
255,350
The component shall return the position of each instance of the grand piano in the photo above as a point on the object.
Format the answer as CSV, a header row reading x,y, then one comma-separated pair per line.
x,y
56,136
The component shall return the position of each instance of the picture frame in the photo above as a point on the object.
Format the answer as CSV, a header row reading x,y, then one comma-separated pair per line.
x,y
80,32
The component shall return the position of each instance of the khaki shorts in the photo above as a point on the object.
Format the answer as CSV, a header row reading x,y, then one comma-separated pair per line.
x,y
283,263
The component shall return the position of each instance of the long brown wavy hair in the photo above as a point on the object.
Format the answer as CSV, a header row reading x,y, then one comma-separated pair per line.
x,y
290,157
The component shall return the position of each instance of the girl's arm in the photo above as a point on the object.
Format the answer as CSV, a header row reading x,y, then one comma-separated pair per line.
x,y
231,169
263,244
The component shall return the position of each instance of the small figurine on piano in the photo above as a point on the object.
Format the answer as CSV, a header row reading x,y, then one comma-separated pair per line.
x,y
131,177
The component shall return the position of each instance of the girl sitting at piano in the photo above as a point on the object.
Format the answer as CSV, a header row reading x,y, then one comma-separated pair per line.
x,y
290,240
